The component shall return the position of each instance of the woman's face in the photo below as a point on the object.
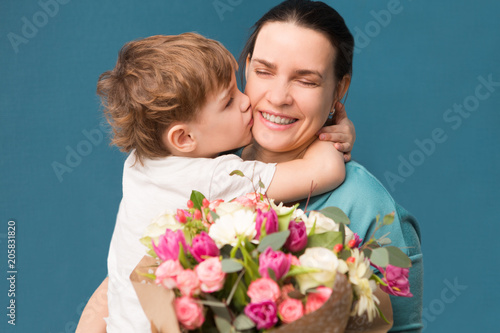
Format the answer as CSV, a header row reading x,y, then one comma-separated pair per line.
x,y
290,83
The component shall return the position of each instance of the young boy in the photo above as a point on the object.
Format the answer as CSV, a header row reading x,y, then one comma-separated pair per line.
x,y
173,104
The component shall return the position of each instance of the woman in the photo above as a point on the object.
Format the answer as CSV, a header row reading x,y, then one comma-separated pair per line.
x,y
298,65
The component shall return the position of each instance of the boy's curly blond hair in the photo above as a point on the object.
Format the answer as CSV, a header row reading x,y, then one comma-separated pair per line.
x,y
159,80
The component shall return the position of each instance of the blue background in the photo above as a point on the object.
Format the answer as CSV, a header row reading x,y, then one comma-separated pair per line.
x,y
408,71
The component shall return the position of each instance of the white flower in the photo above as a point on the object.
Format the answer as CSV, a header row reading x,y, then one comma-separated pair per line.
x,y
324,260
359,276
227,208
227,228
324,224
282,210
160,224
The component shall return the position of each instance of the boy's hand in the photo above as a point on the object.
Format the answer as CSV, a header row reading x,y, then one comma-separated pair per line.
x,y
343,133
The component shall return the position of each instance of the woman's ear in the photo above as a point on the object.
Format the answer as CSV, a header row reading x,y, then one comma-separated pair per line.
x,y
179,139
342,87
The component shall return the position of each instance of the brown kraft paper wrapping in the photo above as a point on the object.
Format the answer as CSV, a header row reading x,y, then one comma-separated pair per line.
x,y
332,317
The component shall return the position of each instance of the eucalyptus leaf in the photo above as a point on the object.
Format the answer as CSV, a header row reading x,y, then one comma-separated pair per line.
x,y
342,231
388,219
225,251
197,199
261,184
344,254
215,216
380,257
230,265
327,239
242,322
237,172
384,241
335,214
275,241
223,325
397,257
219,309
272,274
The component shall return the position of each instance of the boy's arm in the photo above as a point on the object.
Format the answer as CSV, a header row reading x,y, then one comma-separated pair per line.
x,y
92,319
342,133
322,167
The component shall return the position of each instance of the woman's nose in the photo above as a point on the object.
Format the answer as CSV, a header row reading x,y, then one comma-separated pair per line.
x,y
278,94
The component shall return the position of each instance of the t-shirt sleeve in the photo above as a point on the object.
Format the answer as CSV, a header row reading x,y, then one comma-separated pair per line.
x,y
224,186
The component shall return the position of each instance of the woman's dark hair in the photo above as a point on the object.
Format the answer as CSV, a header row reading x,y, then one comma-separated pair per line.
x,y
315,15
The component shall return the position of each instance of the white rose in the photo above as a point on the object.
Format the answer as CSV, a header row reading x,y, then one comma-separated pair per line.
x,y
226,208
161,223
227,228
324,260
324,224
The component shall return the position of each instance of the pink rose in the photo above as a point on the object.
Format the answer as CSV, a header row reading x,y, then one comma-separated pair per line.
x,y
315,300
278,261
168,245
290,310
263,289
397,281
188,283
203,246
263,314
267,221
189,313
211,275
297,240
284,292
166,273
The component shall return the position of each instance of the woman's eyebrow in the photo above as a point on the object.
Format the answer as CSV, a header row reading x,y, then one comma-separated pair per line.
x,y
308,72
298,71
265,63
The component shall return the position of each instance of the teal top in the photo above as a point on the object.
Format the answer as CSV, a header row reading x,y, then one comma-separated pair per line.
x,y
362,197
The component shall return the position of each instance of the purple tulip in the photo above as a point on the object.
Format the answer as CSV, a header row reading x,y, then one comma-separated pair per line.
x,y
297,240
264,314
278,261
269,219
203,246
168,245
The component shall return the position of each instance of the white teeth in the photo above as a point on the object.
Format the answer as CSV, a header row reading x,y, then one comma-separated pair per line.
x,y
277,119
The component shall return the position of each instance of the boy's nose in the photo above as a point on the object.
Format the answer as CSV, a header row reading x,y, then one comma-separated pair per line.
x,y
245,103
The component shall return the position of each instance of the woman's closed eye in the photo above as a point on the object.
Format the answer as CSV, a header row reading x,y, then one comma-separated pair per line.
x,y
308,83
262,73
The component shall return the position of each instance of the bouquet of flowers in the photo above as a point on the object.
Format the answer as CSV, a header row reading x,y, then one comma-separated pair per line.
x,y
252,265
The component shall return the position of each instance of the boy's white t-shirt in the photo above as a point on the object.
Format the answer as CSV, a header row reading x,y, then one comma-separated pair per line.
x,y
148,191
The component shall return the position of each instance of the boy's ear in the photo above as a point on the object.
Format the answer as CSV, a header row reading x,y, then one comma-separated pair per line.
x,y
179,138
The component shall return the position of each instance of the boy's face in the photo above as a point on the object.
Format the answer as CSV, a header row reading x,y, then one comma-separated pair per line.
x,y
224,122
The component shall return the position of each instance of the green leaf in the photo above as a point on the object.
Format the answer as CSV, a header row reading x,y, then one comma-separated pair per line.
x,y
215,217
275,241
298,270
231,266
197,199
182,257
261,184
342,231
146,241
388,219
272,274
242,323
397,257
335,214
237,172
380,257
219,309
284,216
327,239
223,325
344,254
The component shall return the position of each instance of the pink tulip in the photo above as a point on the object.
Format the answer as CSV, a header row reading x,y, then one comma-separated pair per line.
x,y
203,246
278,261
297,240
168,245
397,281
268,219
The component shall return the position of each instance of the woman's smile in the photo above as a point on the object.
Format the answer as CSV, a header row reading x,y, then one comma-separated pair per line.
x,y
277,119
